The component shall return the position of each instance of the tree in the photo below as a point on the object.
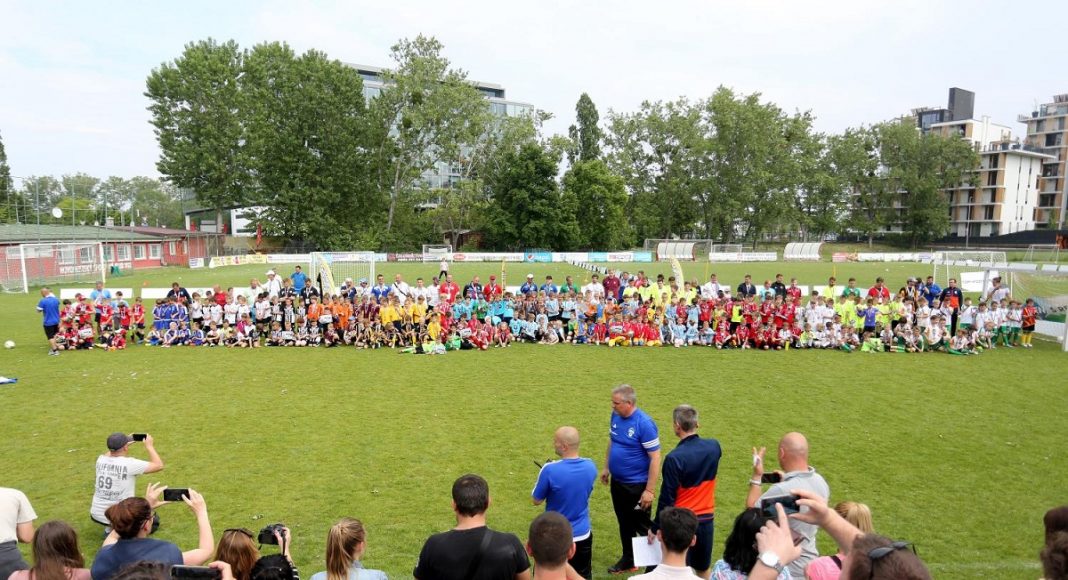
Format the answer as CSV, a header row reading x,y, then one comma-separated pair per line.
x,y
527,208
196,111
427,114
305,145
7,190
600,198
855,157
587,135
459,208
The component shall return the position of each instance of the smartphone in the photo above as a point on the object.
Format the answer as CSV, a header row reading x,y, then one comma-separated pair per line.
x,y
175,493
788,502
202,572
771,478
139,436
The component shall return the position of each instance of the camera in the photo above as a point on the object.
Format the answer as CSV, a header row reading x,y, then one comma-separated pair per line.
x,y
267,534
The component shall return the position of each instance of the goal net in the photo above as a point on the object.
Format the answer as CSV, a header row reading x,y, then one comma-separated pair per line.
x,y
331,269
946,265
436,252
1049,290
1048,253
27,265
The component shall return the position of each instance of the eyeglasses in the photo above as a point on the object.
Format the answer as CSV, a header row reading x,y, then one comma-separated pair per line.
x,y
877,554
245,531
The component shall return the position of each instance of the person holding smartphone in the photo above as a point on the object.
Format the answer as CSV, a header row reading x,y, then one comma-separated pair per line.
x,y
116,472
128,542
796,474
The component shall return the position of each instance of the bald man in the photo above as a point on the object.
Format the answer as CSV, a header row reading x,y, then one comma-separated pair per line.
x,y
565,486
796,473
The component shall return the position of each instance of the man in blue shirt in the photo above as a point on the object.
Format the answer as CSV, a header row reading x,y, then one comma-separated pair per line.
x,y
530,286
49,309
299,279
566,486
633,467
548,287
99,295
930,290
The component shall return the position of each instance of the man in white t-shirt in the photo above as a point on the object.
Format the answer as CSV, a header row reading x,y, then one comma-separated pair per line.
x,y
400,289
115,473
16,525
677,534
273,286
712,288
594,287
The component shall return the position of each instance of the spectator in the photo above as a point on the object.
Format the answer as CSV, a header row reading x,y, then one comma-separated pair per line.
x,y
472,550
48,306
830,567
236,548
549,543
345,545
443,267
566,485
115,473
1054,557
55,555
797,473
131,520
632,464
16,525
1055,520
689,473
740,553
274,567
677,534
145,570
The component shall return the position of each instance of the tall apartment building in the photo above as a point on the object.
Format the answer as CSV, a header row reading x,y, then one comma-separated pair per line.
x,y
1047,131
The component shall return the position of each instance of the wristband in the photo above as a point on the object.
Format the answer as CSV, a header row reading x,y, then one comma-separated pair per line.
x,y
755,482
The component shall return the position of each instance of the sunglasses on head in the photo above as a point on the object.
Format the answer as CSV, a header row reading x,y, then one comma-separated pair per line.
x,y
245,531
876,554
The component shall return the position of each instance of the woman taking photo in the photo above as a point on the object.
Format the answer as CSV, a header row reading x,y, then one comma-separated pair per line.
x,y
131,522
55,555
345,544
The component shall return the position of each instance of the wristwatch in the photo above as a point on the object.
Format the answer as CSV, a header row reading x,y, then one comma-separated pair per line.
x,y
771,560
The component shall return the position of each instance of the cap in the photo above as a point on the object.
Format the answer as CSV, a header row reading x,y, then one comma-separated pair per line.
x,y
348,279
530,275
117,441
493,277
270,272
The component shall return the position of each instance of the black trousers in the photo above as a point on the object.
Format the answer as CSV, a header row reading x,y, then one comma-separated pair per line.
x,y
632,522
582,561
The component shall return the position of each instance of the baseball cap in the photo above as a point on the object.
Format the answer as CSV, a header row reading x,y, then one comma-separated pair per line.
x,y
493,277
117,441
270,272
530,275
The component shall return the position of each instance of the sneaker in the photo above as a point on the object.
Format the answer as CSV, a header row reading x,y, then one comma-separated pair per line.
x,y
622,568
53,353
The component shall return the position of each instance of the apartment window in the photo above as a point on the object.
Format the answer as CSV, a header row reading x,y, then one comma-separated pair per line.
x,y
992,178
994,161
988,212
971,196
995,229
139,251
1054,139
153,251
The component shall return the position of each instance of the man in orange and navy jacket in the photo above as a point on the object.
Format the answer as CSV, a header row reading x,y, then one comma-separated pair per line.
x,y
689,481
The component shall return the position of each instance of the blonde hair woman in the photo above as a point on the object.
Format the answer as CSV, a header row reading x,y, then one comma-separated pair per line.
x,y
345,545
830,567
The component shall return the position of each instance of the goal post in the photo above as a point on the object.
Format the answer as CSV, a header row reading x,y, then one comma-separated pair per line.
x,y
1049,290
950,264
435,252
331,269
1050,253
23,266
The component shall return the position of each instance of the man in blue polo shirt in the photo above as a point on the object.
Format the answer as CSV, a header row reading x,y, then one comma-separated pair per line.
x,y
566,486
633,467
49,309
299,279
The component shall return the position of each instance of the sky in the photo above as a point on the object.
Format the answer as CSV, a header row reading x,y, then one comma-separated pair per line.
x,y
72,74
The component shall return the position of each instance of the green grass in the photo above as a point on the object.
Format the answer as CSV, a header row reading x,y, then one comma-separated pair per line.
x,y
961,455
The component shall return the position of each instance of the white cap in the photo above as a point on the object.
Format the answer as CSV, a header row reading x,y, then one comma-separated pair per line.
x,y
530,275
348,279
270,272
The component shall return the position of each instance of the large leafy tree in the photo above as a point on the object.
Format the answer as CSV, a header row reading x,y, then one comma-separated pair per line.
x,y
600,199
586,134
428,114
196,109
305,145
8,203
527,208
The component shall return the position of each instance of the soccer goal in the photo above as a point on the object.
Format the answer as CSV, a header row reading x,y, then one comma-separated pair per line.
x,y
1049,290
23,266
946,265
436,252
1048,253
332,268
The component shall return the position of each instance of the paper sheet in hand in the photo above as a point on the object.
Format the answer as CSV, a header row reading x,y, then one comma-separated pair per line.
x,y
646,554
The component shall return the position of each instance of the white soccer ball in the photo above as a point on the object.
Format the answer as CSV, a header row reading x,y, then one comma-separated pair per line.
x,y
9,344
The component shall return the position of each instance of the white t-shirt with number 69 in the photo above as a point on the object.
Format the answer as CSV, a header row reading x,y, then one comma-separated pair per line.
x,y
114,482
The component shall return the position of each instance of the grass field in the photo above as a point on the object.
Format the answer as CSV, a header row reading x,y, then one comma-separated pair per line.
x,y
961,455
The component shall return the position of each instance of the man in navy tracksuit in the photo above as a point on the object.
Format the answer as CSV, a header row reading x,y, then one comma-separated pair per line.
x,y
689,481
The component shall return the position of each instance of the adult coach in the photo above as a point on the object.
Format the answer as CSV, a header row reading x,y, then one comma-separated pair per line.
x,y
566,486
632,466
690,482
115,473
48,306
472,550
796,474
99,295
299,279
16,525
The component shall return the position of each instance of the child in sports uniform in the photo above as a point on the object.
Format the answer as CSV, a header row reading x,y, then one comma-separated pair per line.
x,y
1028,317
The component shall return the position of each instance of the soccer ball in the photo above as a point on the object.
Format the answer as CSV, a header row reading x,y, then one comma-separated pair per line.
x,y
9,344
